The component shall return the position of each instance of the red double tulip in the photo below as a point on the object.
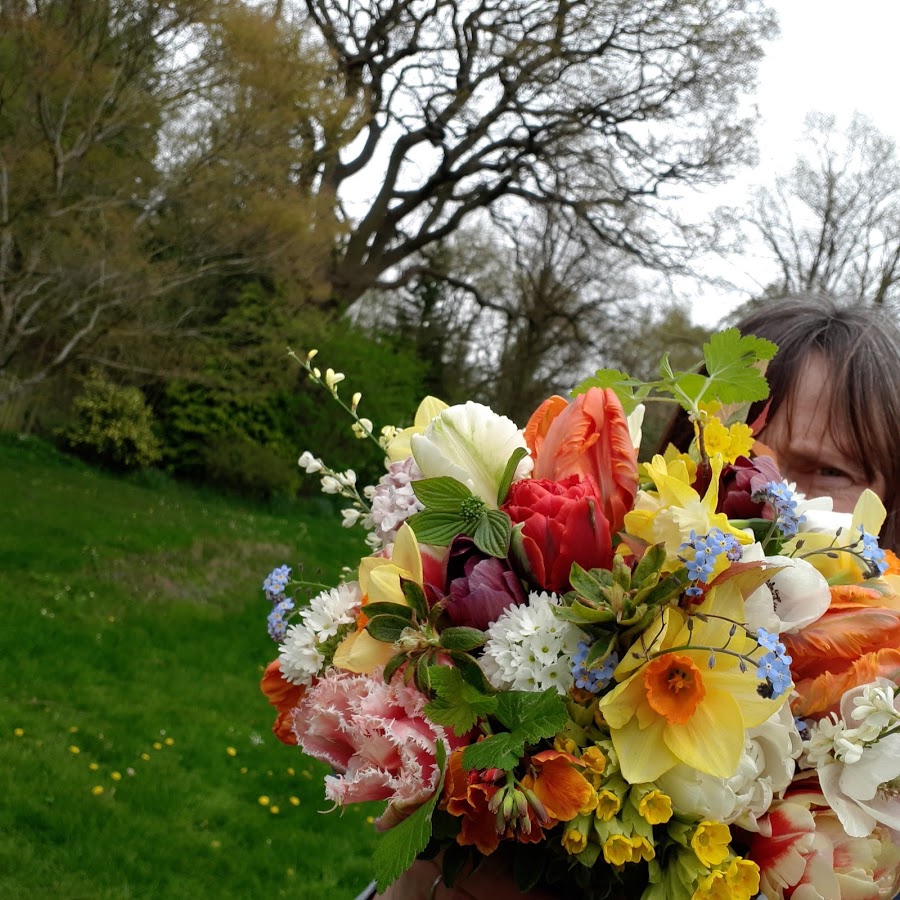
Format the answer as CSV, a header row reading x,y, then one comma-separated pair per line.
x,y
588,437
564,523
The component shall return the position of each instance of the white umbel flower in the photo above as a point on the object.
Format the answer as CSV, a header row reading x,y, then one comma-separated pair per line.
x,y
529,649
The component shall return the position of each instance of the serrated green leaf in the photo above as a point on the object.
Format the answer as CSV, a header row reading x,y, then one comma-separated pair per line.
x,y
693,386
442,494
531,715
499,751
457,704
462,638
511,465
630,391
400,845
436,527
388,609
386,629
492,533
730,358
470,670
415,597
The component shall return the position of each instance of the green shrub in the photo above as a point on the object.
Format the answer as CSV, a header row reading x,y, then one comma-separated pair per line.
x,y
113,425
251,469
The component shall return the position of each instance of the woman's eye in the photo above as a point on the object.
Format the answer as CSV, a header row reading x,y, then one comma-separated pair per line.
x,y
830,472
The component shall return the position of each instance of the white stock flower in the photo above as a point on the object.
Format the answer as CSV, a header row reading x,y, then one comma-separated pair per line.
x,y
472,444
529,649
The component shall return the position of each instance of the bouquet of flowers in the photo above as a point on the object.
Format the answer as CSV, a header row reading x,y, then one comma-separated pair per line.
x,y
673,680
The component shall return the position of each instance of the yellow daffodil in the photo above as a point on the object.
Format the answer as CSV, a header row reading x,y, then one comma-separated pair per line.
x,y
399,448
379,581
669,514
672,707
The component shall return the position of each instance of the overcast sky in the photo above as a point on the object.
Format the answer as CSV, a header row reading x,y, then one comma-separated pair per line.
x,y
833,56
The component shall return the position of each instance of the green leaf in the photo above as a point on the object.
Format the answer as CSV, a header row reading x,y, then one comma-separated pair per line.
x,y
415,597
399,846
531,715
388,609
442,494
492,533
437,527
511,465
470,671
590,585
386,628
462,638
650,564
600,650
392,666
630,391
423,674
584,615
457,704
672,584
730,358
499,751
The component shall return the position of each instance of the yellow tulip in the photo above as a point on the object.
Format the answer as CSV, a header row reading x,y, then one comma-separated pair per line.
x,y
399,448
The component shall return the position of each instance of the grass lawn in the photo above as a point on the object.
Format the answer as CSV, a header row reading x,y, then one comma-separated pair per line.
x,y
136,756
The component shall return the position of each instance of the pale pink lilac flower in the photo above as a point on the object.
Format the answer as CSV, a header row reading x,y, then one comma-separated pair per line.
x,y
393,500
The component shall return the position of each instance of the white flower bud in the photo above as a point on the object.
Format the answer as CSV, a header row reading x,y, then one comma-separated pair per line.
x,y
333,379
330,485
349,478
317,373
355,402
350,517
311,355
309,463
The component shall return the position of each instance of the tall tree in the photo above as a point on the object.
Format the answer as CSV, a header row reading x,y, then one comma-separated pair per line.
x,y
832,224
595,106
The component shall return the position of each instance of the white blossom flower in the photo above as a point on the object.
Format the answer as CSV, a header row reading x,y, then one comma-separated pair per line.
x,y
299,656
309,463
330,485
350,516
393,500
333,379
472,444
529,649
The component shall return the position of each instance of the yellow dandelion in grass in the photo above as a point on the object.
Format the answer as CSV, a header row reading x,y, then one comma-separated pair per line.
x,y
290,771
264,800
216,845
169,742
157,745
74,750
295,801
145,757
73,729
94,767
274,810
19,732
97,790
116,776
231,751
243,770
370,820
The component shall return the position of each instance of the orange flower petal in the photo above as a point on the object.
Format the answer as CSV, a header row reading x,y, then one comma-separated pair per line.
x,y
556,782
674,687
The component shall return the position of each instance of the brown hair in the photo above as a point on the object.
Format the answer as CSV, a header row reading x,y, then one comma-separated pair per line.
x,y
861,346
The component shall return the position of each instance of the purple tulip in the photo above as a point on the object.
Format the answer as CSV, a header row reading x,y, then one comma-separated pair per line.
x,y
740,481
479,587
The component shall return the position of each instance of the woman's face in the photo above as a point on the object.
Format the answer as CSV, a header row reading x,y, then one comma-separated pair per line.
x,y
800,436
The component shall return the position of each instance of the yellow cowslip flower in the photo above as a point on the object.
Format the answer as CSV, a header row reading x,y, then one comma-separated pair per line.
x,y
618,849
710,842
608,805
731,441
714,887
594,760
743,878
379,581
574,841
590,804
641,849
654,807
400,446
565,745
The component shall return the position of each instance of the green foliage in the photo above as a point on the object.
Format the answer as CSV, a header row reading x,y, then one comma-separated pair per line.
x,y
129,612
113,425
254,470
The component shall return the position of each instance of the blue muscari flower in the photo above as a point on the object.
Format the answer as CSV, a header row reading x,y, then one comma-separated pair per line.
x,y
592,680
276,581
871,552
707,548
781,498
